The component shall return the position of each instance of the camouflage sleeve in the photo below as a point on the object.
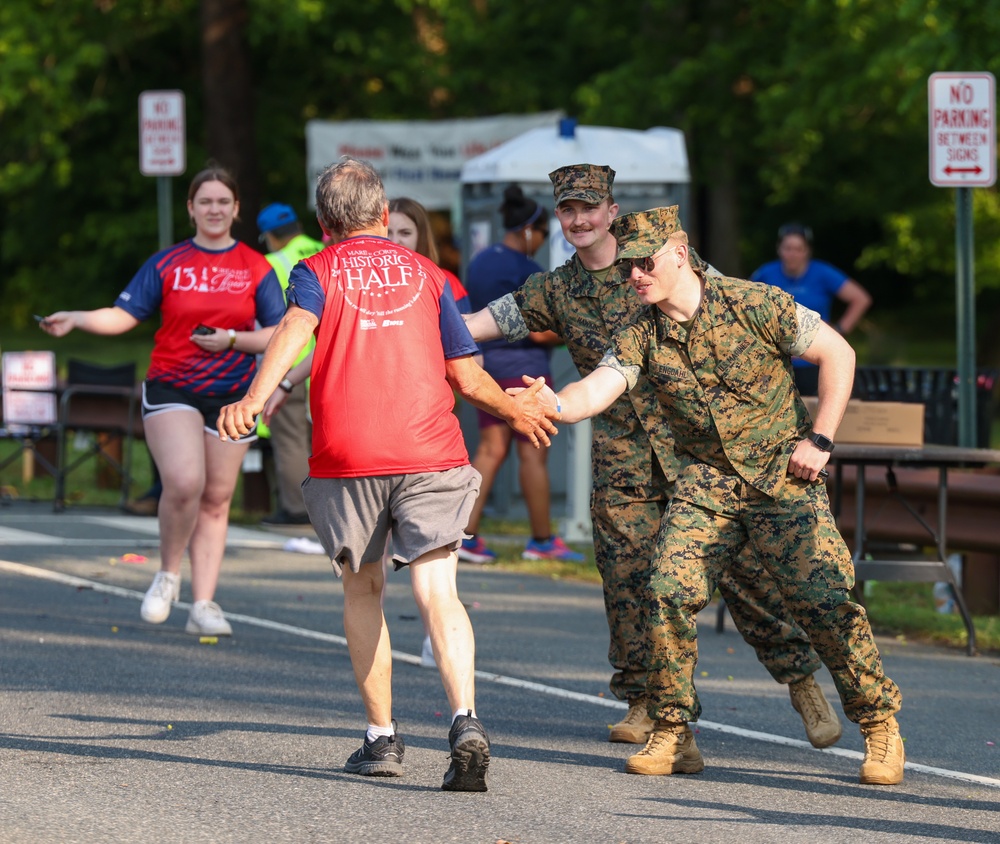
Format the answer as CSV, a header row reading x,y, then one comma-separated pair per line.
x,y
630,373
508,316
808,326
526,309
776,318
540,302
627,354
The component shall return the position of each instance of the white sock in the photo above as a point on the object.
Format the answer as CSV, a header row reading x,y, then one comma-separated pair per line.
x,y
374,732
469,712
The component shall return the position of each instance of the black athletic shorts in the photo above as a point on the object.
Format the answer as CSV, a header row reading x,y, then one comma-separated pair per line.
x,y
158,397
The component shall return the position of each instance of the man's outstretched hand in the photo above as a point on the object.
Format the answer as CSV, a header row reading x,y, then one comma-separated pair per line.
x,y
237,420
535,415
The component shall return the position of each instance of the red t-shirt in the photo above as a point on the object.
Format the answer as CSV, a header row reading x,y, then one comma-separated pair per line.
x,y
191,286
381,404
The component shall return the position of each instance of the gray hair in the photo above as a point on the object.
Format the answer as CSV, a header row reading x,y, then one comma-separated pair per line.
x,y
349,197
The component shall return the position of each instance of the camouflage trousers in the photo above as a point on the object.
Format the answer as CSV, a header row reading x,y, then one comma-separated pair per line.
x,y
626,524
799,545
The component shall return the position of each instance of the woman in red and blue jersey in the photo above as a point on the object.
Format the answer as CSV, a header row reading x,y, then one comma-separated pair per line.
x,y
410,226
212,292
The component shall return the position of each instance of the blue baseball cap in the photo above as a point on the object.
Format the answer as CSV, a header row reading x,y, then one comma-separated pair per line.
x,y
274,216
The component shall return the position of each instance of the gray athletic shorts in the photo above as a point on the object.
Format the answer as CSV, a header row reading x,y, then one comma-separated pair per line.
x,y
424,511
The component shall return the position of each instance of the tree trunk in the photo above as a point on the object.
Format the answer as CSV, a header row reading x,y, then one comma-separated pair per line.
x,y
717,182
721,215
228,102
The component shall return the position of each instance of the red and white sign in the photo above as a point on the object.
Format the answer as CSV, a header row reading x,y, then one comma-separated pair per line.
x,y
29,370
29,381
961,110
421,159
162,139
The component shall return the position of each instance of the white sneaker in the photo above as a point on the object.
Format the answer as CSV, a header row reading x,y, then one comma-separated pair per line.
x,y
427,654
166,589
206,619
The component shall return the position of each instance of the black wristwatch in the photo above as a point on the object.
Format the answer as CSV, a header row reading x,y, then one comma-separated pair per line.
x,y
821,442
286,385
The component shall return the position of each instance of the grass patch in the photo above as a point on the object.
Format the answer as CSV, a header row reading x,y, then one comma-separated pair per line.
x,y
82,484
907,611
585,572
507,538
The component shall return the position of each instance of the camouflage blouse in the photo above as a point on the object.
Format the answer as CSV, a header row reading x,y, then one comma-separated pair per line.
x,y
586,312
725,382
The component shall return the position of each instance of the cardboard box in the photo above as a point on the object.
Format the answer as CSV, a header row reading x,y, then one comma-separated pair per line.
x,y
878,422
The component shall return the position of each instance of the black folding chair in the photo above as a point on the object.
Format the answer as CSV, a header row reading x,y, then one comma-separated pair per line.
x,y
102,400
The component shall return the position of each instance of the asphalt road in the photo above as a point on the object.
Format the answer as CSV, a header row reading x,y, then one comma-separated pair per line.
x,y
114,730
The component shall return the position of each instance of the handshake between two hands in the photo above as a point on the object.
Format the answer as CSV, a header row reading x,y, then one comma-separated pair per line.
x,y
538,407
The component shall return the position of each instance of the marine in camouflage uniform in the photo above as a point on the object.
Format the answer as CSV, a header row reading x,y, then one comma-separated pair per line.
x,y
634,468
724,380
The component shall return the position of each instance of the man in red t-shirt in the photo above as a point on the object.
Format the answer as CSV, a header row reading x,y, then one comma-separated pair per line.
x,y
387,449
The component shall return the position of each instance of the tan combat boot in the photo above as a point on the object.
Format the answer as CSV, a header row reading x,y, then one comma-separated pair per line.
x,y
635,727
884,754
821,722
670,749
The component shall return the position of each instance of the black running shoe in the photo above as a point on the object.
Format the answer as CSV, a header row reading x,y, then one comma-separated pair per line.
x,y
470,755
380,758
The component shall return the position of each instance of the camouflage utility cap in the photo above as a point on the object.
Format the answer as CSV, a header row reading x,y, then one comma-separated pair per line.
x,y
642,233
590,183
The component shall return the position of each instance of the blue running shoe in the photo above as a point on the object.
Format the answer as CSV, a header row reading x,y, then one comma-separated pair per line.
x,y
475,551
553,549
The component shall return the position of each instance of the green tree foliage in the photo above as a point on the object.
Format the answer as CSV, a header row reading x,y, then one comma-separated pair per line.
x,y
817,111
76,212
335,61
793,109
78,218
857,127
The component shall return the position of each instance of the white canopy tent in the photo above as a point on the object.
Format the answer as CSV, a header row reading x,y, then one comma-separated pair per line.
x,y
653,156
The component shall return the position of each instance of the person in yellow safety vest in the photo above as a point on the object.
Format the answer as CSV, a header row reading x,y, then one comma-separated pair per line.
x,y
291,430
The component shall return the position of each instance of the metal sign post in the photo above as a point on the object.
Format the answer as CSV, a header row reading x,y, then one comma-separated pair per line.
x,y
963,152
162,149
965,310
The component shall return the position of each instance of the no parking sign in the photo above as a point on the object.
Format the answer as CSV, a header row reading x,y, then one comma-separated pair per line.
x,y
162,139
962,122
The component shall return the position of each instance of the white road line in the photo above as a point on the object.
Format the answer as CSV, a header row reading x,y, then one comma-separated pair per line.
x,y
236,537
14,536
137,524
499,679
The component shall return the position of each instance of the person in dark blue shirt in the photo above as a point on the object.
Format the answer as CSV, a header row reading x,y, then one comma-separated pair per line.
x,y
814,285
496,271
